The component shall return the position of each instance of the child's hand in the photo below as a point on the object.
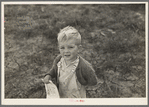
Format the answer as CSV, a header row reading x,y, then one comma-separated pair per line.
x,y
46,79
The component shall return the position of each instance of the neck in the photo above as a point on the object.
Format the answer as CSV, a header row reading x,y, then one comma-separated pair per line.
x,y
70,61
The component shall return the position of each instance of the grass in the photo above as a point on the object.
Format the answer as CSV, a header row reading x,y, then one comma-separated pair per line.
x,y
113,39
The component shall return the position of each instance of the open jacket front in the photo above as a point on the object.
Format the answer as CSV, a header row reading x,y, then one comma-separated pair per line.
x,y
84,72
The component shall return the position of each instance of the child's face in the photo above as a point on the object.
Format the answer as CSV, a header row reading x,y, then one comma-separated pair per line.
x,y
68,50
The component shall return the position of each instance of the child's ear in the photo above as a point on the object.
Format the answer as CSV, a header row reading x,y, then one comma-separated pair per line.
x,y
79,48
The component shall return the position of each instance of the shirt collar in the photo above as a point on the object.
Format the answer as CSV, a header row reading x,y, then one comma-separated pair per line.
x,y
75,62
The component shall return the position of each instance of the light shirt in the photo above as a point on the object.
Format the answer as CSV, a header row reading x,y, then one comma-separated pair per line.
x,y
69,86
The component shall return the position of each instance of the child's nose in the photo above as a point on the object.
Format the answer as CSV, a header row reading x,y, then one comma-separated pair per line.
x,y
66,50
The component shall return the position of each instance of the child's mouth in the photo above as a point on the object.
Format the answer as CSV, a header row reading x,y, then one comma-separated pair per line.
x,y
66,55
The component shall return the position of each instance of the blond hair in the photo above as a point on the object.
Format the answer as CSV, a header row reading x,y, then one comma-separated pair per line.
x,y
68,33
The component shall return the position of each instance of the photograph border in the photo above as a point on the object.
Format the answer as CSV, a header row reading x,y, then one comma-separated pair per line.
x,y
69,101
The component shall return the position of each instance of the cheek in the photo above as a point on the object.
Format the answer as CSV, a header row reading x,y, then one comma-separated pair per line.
x,y
75,51
61,51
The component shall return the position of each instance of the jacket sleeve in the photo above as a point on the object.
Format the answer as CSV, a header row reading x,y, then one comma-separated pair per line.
x,y
92,78
89,75
53,70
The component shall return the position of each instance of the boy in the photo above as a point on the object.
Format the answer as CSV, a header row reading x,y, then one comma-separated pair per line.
x,y
71,71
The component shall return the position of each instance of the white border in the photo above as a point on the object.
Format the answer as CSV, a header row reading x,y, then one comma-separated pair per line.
x,y
72,2
2,52
146,30
87,101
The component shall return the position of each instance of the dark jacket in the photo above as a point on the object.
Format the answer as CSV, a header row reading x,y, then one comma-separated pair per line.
x,y
84,71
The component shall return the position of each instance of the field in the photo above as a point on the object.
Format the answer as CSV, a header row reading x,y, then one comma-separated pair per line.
x,y
113,40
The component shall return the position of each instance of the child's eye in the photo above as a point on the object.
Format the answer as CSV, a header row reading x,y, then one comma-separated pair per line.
x,y
70,47
61,47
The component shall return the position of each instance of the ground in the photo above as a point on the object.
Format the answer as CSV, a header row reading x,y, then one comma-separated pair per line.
x,y
113,40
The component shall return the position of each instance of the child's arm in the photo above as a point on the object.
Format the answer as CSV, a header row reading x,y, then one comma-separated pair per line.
x,y
90,76
53,71
92,80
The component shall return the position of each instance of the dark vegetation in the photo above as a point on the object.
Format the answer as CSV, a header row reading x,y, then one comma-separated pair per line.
x,y
113,39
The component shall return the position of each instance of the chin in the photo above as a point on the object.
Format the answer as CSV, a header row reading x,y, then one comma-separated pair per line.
x,y
67,58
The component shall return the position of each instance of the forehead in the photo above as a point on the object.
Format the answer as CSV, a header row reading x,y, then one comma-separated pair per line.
x,y
68,42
